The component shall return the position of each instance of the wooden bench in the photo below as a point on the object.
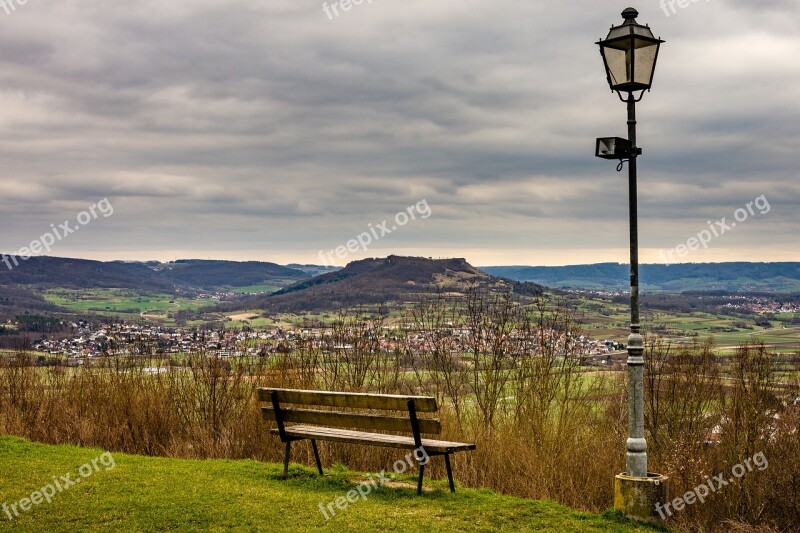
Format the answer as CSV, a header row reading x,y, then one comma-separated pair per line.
x,y
315,424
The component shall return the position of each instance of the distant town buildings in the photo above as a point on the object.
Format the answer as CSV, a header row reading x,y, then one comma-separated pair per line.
x,y
88,341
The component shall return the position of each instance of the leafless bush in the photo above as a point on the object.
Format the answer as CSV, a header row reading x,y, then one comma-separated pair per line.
x,y
507,374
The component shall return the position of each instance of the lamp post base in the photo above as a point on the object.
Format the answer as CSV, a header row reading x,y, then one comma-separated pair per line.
x,y
640,498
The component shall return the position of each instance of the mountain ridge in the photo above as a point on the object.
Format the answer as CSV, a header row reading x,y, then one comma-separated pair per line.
x,y
376,281
737,276
195,274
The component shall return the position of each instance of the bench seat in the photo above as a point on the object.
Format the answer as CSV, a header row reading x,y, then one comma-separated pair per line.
x,y
375,439
303,421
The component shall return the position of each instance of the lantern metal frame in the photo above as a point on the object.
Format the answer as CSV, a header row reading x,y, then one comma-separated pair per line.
x,y
629,37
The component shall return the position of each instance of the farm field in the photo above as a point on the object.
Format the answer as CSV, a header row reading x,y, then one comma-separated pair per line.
x,y
253,289
602,319
123,303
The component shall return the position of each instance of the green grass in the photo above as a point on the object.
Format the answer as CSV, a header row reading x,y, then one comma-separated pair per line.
x,y
249,289
119,300
156,494
122,303
604,319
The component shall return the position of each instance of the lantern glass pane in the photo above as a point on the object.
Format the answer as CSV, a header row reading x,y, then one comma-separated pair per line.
x,y
618,65
645,62
644,31
618,31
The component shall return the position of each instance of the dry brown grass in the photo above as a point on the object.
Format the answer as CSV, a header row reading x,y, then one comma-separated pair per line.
x,y
542,428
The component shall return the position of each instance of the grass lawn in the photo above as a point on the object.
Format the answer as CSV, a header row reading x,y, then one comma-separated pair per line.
x,y
156,494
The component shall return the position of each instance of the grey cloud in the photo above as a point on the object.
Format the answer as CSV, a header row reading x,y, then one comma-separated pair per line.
x,y
265,125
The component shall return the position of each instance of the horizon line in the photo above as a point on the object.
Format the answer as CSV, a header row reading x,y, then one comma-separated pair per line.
x,y
443,258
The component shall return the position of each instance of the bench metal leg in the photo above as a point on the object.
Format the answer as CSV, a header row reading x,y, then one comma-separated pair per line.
x,y
449,472
419,483
286,458
316,456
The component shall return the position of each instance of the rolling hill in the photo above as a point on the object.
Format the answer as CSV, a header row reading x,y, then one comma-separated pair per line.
x,y
212,275
45,271
376,281
22,287
732,277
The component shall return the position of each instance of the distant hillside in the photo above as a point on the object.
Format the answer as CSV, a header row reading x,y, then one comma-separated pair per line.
x,y
771,277
314,270
211,275
44,271
375,281
15,300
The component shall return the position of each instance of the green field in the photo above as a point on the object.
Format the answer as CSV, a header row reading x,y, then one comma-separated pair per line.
x,y
135,493
122,303
250,289
602,319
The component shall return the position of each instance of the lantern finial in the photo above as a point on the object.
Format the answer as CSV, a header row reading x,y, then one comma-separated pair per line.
x,y
630,15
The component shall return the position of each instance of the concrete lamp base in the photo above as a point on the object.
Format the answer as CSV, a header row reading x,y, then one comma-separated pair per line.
x,y
636,497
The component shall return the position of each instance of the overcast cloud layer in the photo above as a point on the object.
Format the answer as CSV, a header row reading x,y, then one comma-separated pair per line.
x,y
264,130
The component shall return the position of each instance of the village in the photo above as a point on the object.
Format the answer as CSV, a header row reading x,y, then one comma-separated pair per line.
x,y
131,339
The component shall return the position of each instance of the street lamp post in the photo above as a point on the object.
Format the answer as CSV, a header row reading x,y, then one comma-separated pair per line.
x,y
629,54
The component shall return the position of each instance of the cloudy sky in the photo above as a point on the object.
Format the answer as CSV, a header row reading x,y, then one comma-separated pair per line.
x,y
266,129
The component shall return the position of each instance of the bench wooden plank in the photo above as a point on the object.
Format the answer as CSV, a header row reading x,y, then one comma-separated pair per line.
x,y
322,421
353,420
389,402
374,439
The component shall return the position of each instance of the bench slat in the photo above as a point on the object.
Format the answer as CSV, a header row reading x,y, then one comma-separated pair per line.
x,y
374,439
389,402
352,420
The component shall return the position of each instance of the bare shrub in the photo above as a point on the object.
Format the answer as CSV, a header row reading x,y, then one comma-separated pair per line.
x,y
508,374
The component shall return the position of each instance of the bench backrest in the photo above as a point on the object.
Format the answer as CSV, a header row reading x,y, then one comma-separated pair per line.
x,y
411,405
